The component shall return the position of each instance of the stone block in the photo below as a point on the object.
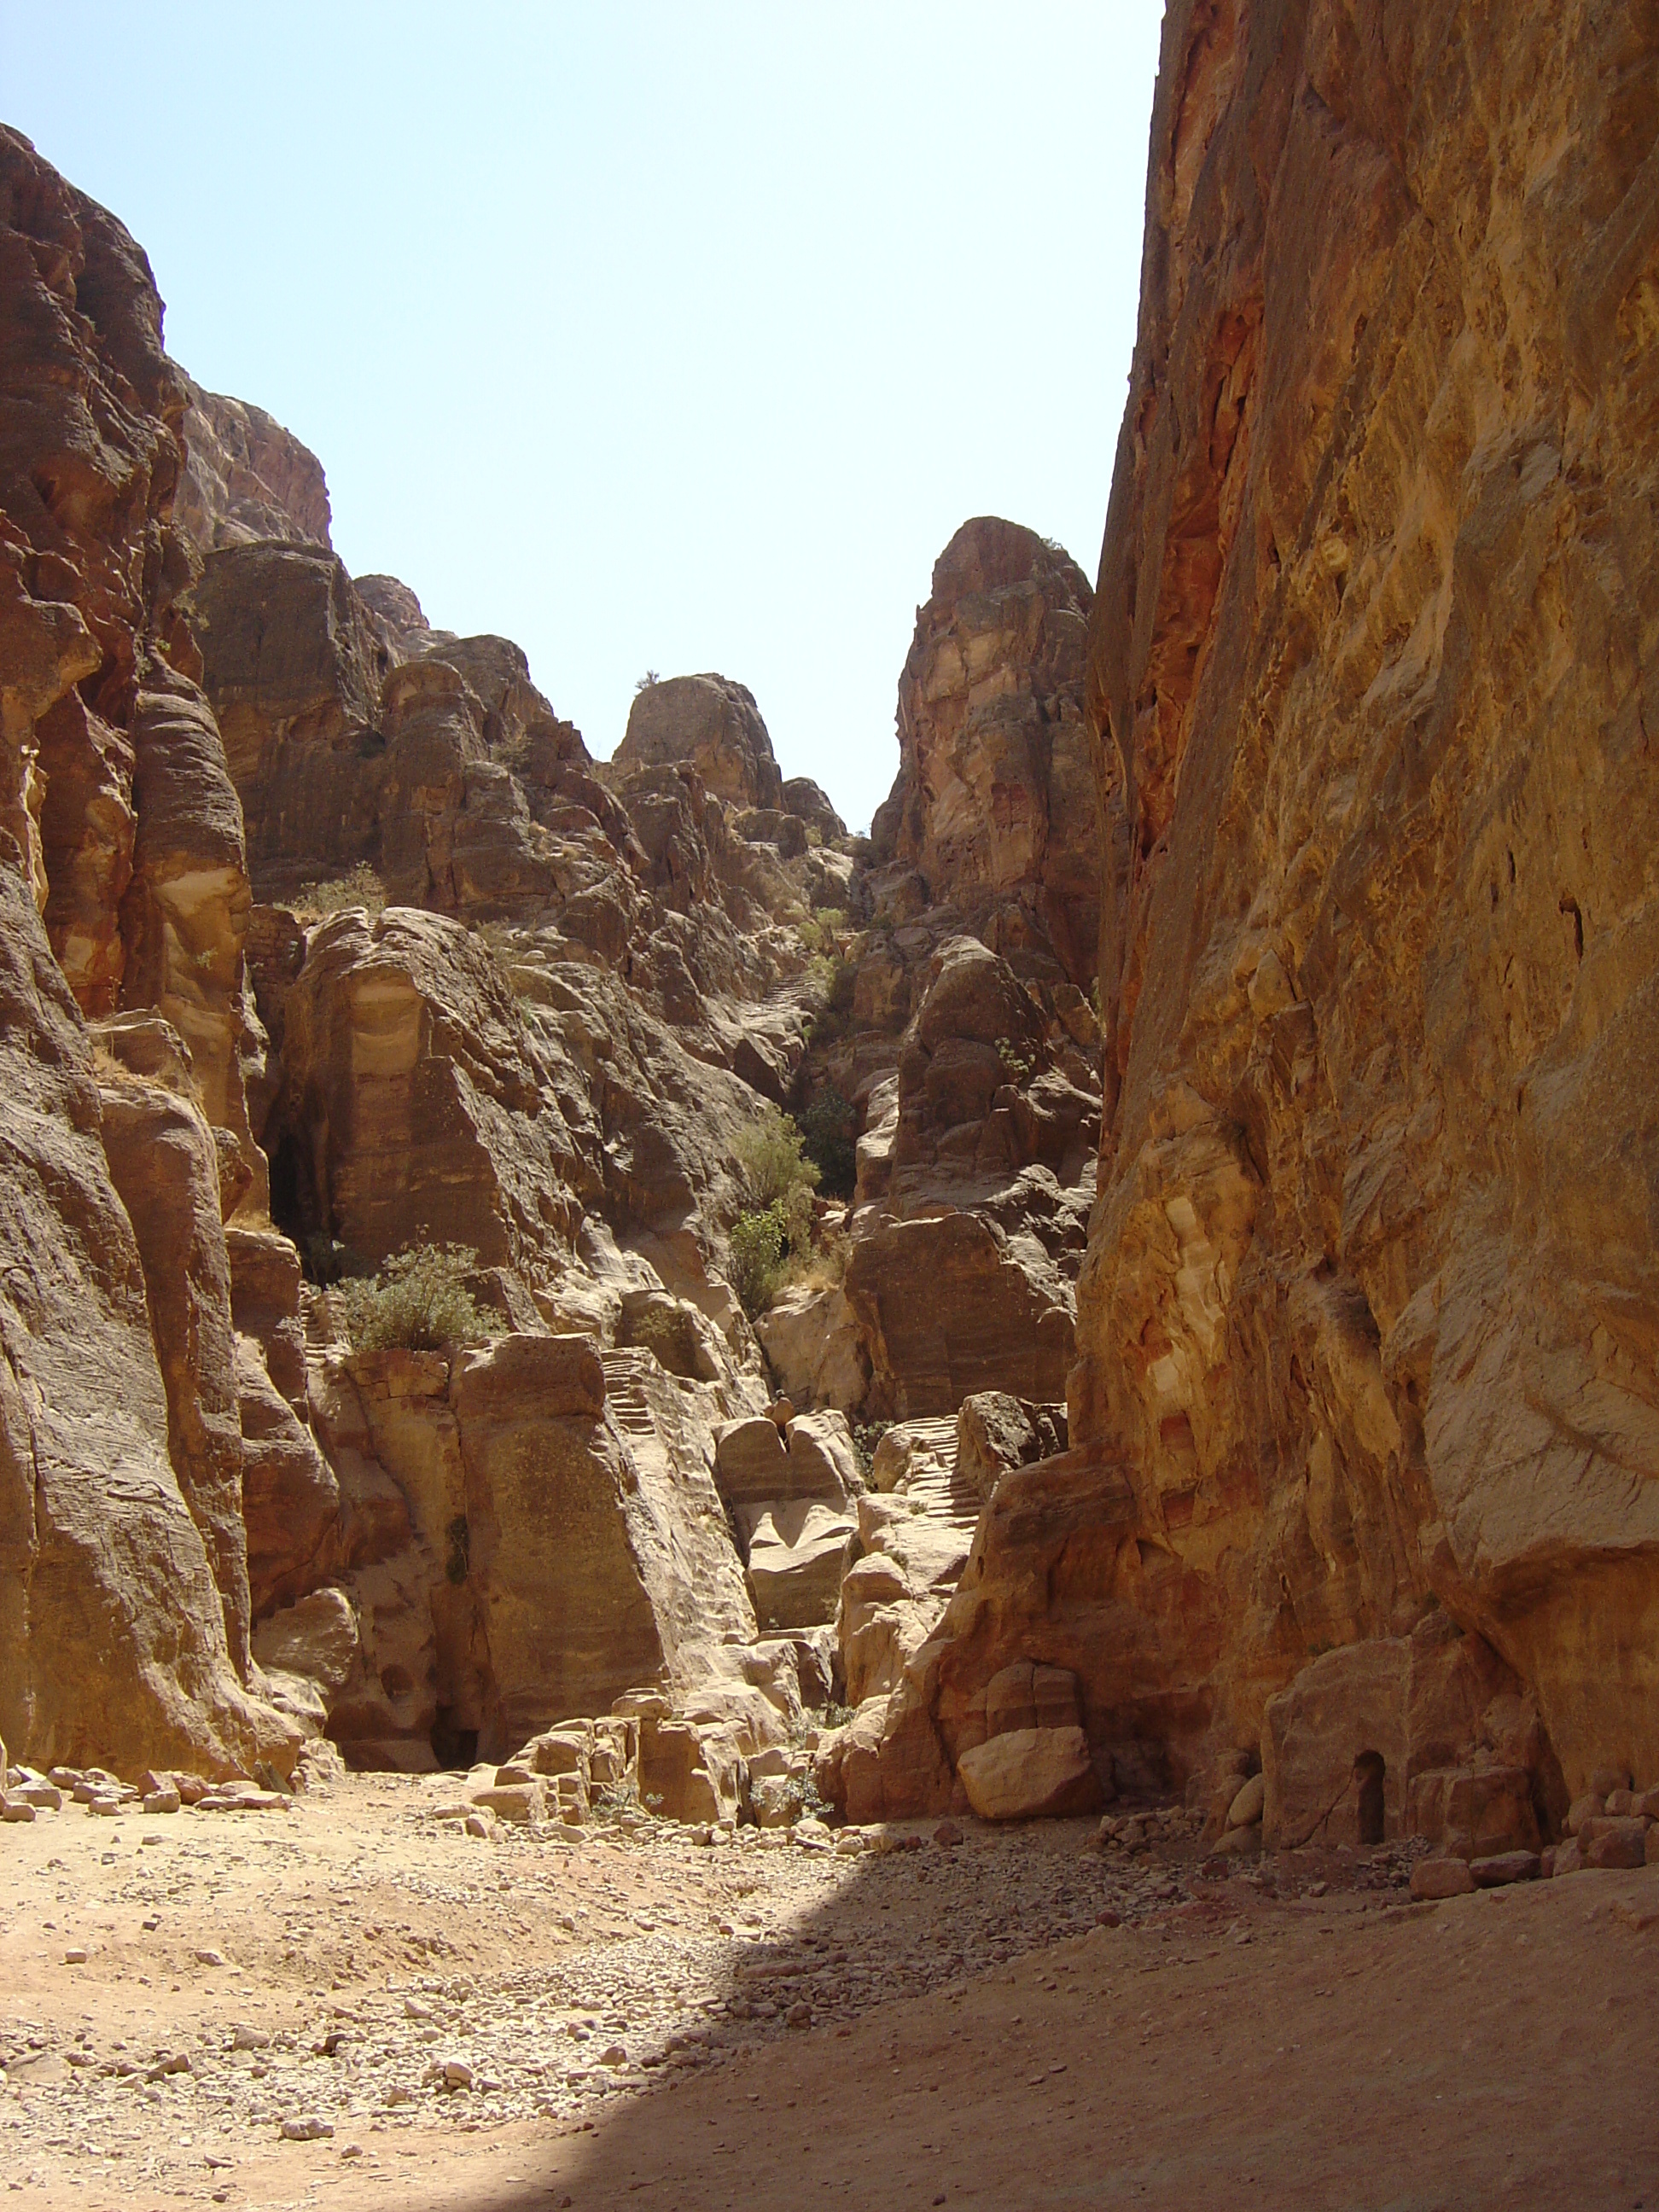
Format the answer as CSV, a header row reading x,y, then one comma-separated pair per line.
x,y
1503,1867
1441,1878
1613,1843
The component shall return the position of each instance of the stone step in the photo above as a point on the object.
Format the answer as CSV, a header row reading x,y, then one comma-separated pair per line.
x,y
931,1480
625,1393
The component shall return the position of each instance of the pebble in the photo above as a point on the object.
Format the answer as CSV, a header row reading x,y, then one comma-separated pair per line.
x,y
691,1955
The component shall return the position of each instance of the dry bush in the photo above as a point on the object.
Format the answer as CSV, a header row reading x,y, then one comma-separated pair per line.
x,y
419,1302
360,887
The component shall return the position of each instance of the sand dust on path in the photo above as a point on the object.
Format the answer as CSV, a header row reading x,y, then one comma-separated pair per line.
x,y
345,2007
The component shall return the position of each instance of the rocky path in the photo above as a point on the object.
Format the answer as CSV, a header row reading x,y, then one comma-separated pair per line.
x,y
346,2003
933,1481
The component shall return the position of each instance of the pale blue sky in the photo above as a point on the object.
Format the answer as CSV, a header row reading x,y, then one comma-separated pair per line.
x,y
652,336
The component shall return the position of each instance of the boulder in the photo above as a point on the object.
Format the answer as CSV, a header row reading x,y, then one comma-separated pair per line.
x,y
710,724
1613,1843
813,1342
1435,1879
316,1637
751,1460
1505,1867
810,803
995,1433
798,1551
1246,1808
1480,1812
822,1462
1031,1773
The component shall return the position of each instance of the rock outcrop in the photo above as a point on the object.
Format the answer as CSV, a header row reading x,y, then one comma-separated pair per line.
x,y
1367,1321
122,896
111,1625
993,804
415,1105
711,725
246,477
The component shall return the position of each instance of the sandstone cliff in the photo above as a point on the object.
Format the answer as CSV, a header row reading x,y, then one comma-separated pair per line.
x,y
1368,1322
992,804
125,1576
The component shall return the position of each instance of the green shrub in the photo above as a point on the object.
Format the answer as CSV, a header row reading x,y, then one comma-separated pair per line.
x,y
755,1248
819,930
776,1227
828,1130
361,887
769,1152
419,1301
1017,1064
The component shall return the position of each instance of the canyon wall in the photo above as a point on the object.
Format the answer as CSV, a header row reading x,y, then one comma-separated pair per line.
x,y
1368,1325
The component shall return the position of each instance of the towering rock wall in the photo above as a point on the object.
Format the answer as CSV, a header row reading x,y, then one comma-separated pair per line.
x,y
1364,1399
1371,1302
124,902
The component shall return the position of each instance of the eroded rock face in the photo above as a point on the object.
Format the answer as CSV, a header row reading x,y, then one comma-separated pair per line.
x,y
246,477
1425,1735
126,1567
1369,1309
530,1530
417,1107
994,801
164,1162
111,1624
950,1306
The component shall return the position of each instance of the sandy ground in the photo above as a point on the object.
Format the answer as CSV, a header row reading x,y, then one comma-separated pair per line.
x,y
1293,2036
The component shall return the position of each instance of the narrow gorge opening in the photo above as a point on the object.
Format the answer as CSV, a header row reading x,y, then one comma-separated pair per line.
x,y
1369,1770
